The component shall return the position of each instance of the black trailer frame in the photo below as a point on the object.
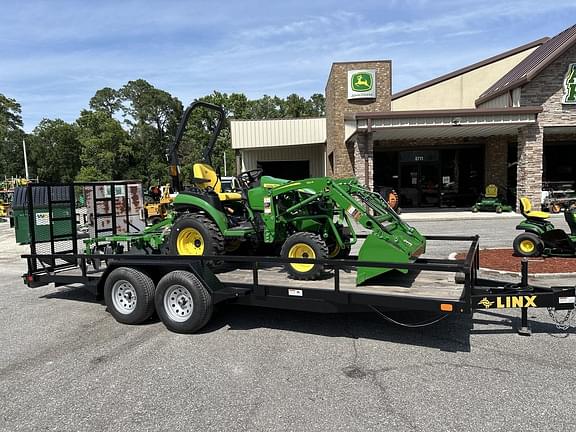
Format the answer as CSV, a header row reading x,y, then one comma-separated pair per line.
x,y
72,267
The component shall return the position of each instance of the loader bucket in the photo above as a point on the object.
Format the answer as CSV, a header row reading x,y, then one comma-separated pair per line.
x,y
401,246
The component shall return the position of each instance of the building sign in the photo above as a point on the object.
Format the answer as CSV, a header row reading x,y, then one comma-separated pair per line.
x,y
419,156
570,85
362,84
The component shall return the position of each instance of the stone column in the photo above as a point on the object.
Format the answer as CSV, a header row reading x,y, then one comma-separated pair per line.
x,y
496,163
529,171
364,159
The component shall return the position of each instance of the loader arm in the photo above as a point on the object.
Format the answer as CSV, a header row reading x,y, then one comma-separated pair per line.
x,y
390,239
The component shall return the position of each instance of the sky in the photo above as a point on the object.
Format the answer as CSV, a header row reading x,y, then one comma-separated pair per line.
x,y
54,55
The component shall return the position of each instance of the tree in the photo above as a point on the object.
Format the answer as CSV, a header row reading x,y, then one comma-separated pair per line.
x,y
55,151
318,105
105,145
106,100
11,136
152,116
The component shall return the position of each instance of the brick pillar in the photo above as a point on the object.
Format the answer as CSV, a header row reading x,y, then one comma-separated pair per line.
x,y
364,159
496,163
529,171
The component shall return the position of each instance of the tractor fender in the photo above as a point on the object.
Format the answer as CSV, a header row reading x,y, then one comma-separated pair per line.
x,y
193,204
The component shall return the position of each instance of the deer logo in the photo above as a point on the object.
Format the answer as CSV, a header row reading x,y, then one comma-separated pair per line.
x,y
361,82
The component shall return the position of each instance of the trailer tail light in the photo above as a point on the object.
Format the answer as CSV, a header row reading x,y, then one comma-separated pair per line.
x,y
30,278
446,307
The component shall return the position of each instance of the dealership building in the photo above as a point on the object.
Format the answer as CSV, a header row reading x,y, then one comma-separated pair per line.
x,y
509,120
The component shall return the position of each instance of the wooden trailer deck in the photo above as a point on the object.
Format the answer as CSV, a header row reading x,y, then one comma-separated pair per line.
x,y
417,283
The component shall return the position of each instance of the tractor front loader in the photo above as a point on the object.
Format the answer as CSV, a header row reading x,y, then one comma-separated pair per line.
x,y
317,218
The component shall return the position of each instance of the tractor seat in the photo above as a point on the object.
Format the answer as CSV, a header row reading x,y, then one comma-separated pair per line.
x,y
206,178
528,213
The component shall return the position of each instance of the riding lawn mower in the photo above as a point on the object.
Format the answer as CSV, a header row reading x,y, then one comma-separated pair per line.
x,y
541,237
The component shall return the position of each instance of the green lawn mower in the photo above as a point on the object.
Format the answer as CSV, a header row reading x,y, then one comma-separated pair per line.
x,y
541,237
490,201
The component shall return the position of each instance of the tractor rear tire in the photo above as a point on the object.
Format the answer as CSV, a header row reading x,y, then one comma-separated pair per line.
x,y
182,302
304,245
129,295
196,234
528,244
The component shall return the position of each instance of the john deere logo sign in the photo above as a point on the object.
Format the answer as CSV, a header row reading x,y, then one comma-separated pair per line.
x,y
570,85
361,84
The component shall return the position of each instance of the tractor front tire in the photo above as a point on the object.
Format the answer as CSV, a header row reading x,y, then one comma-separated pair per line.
x,y
528,245
182,302
197,235
304,245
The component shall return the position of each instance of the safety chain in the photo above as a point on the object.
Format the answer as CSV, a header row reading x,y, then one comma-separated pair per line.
x,y
565,322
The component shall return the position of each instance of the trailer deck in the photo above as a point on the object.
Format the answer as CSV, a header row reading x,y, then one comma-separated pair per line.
x,y
416,283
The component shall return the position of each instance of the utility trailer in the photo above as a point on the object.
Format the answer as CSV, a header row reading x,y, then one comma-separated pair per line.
x,y
184,289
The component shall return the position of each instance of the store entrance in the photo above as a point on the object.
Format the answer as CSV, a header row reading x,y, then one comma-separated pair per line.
x,y
420,184
447,177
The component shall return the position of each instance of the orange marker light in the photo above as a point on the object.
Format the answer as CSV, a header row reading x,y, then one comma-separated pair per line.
x,y
446,307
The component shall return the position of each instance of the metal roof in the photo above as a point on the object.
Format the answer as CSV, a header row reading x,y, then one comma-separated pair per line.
x,y
532,65
470,68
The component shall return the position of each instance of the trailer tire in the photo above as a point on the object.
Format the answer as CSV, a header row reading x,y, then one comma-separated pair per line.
x,y
304,245
182,302
129,295
528,244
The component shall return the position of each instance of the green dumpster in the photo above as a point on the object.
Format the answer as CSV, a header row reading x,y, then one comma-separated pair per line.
x,y
61,221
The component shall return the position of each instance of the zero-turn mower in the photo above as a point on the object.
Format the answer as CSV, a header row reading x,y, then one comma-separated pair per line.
x,y
490,201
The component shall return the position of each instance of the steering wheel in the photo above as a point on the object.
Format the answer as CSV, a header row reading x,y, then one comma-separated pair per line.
x,y
251,176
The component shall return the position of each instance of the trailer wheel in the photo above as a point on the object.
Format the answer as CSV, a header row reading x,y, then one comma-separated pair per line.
x,y
182,302
304,245
129,295
195,234
528,245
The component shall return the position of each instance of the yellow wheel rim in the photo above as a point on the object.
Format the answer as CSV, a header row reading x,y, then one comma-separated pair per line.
x,y
302,250
527,246
190,242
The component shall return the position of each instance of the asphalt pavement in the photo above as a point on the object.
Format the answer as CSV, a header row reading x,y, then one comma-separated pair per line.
x,y
67,365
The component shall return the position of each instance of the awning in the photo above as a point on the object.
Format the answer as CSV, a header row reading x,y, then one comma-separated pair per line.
x,y
404,125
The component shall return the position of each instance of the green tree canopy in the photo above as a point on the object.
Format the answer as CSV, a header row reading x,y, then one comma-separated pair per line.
x,y
127,131
105,149
11,136
55,151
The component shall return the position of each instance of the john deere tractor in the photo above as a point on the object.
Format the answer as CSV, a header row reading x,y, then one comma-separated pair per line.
x,y
311,218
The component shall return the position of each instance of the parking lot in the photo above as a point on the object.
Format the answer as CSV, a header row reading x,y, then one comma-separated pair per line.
x,y
65,364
